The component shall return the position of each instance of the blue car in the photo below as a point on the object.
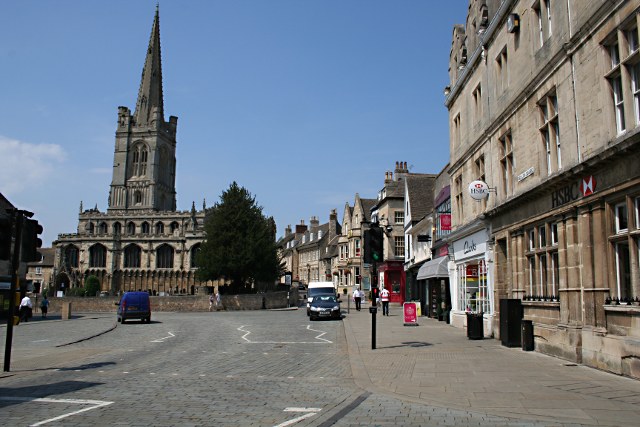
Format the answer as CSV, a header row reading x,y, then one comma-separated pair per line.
x,y
134,305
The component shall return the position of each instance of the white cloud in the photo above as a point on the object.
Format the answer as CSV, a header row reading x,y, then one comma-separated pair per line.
x,y
24,166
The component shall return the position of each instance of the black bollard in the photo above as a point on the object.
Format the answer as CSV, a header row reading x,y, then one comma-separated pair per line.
x,y
373,310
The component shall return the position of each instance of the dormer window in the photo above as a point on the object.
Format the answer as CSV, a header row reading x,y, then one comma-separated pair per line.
x,y
319,234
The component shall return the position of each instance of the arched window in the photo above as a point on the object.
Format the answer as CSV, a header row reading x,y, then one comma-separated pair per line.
x,y
71,256
117,228
174,226
91,228
139,163
98,256
137,197
159,228
164,257
102,228
195,250
131,229
145,227
132,256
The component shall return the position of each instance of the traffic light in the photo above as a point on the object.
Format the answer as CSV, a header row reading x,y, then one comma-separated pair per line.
x,y
375,294
30,240
373,244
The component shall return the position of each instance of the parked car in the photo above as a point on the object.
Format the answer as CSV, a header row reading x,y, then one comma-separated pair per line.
x,y
325,307
134,305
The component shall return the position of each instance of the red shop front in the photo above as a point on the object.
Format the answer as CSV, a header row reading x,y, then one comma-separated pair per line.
x,y
392,277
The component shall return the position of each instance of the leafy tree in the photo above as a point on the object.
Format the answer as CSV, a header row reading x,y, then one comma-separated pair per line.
x,y
91,286
240,242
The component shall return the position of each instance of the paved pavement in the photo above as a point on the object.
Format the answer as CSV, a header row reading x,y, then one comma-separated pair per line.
x,y
436,364
429,374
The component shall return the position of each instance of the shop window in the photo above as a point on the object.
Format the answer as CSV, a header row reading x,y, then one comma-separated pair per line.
x,y
473,287
554,234
623,270
637,211
542,260
532,275
542,236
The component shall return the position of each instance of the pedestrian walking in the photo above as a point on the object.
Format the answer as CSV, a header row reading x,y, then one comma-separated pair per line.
x,y
218,304
384,296
210,302
25,309
357,296
44,306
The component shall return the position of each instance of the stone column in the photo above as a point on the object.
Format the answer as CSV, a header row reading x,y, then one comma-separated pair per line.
x,y
585,246
600,276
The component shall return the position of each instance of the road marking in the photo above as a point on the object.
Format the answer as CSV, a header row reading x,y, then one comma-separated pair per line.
x,y
310,412
318,337
95,405
171,335
40,341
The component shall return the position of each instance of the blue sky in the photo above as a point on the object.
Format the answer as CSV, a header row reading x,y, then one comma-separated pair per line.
x,y
304,103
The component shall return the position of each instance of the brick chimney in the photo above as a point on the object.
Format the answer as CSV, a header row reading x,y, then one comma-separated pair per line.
x,y
333,224
314,223
301,228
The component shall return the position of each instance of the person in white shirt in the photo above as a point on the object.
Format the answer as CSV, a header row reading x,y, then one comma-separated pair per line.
x,y
384,297
357,296
25,309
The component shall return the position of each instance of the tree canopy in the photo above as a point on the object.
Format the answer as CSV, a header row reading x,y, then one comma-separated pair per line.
x,y
240,242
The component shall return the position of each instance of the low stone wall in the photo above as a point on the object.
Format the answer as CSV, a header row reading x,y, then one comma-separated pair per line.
x,y
271,300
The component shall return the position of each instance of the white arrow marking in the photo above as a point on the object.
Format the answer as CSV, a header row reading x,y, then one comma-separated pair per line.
x,y
162,339
317,337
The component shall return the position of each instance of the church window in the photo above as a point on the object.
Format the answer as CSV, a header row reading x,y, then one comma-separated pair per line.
x,y
145,227
98,256
103,228
117,228
139,164
174,226
131,229
164,257
159,228
91,228
132,255
137,197
71,256
195,250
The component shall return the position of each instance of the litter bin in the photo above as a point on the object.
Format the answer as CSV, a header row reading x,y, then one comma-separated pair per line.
x,y
475,326
527,335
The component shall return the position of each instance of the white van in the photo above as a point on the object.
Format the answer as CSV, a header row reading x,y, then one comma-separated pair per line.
x,y
319,288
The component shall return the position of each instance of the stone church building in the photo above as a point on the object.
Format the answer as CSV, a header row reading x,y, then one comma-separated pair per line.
x,y
141,242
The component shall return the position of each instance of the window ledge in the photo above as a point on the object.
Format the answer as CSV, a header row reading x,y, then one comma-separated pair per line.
x,y
623,308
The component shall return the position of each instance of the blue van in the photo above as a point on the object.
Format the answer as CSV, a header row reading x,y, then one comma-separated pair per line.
x,y
134,305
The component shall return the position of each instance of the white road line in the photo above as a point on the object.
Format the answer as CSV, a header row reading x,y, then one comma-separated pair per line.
x,y
318,337
171,335
310,412
95,405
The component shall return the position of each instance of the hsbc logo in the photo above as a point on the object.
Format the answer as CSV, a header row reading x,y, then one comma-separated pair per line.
x,y
585,187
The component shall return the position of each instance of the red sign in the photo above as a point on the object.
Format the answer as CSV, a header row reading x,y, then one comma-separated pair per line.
x,y
472,271
588,186
443,251
445,222
410,313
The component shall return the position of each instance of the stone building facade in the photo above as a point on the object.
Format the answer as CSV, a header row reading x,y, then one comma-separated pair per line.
x,y
544,107
141,242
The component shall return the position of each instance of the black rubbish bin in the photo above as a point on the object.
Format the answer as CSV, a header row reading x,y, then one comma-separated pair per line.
x,y
527,335
475,326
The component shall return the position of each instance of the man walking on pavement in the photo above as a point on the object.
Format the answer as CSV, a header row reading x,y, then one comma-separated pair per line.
x,y
357,297
384,296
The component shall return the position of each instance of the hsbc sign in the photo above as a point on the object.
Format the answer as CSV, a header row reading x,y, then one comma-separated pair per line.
x,y
478,190
585,187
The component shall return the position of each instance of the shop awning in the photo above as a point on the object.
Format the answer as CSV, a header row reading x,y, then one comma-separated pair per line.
x,y
434,268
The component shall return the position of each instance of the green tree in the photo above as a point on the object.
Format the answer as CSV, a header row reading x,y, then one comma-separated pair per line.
x,y
91,286
240,242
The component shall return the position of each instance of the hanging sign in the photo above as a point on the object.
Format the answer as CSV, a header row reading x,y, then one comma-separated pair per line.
x,y
478,190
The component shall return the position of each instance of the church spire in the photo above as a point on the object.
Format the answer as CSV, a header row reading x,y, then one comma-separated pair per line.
x,y
150,105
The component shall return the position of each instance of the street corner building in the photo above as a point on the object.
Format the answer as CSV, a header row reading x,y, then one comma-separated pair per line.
x,y
141,242
544,108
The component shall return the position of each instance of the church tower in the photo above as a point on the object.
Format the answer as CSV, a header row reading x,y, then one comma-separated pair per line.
x,y
144,161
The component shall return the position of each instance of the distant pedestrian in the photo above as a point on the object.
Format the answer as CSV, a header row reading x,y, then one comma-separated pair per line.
x,y
357,296
25,309
44,306
384,296
218,305
210,302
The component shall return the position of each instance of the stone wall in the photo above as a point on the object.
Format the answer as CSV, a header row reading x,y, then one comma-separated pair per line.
x,y
272,300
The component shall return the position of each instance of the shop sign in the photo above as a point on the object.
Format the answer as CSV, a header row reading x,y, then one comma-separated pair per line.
x,y
443,251
569,193
445,222
410,313
470,246
478,190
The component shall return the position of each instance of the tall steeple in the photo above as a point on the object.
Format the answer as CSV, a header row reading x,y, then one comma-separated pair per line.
x,y
144,159
150,103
